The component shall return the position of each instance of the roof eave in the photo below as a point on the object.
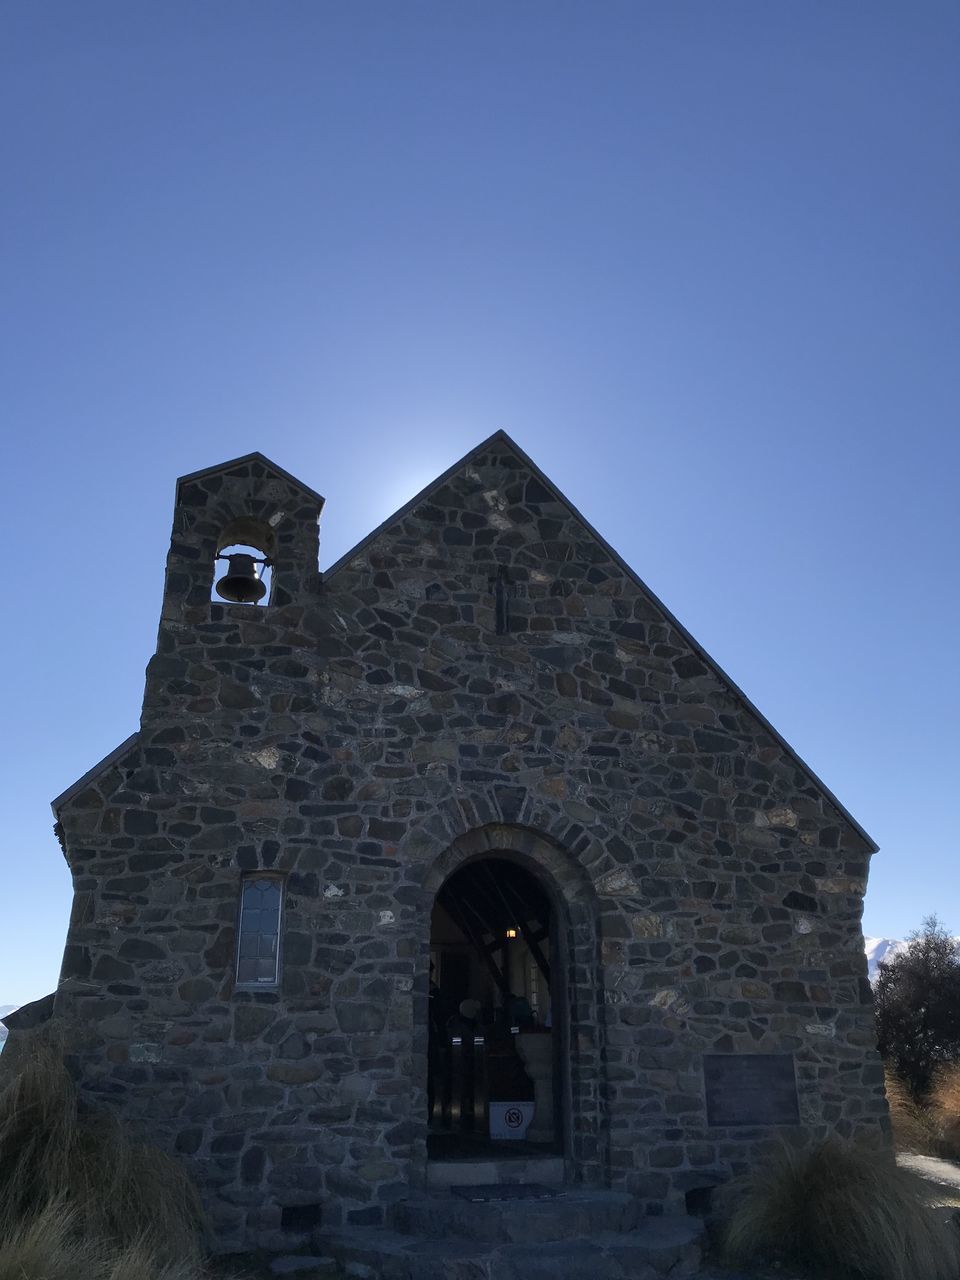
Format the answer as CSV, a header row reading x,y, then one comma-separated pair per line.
x,y
101,767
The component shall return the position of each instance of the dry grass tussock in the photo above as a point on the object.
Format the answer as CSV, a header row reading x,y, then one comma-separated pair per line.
x,y
945,1108
929,1127
840,1211
48,1247
78,1198
915,1127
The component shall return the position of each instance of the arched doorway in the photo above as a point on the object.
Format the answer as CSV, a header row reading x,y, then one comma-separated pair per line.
x,y
497,1015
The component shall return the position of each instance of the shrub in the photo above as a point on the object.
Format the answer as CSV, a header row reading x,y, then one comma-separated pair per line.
x,y
917,1003
841,1211
82,1170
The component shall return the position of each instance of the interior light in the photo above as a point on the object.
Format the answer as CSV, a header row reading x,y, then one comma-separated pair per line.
x,y
511,933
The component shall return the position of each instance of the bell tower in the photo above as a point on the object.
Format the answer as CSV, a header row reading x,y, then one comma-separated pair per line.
x,y
232,523
251,503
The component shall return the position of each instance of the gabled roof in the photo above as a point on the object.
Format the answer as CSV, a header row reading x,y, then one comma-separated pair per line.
x,y
501,437
251,457
108,761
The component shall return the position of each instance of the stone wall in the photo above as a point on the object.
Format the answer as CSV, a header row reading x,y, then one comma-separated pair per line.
x,y
482,674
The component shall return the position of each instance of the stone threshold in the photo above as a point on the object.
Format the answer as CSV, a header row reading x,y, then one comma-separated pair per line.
x,y
549,1170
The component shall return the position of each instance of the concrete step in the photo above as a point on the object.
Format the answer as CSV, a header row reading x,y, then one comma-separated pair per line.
x,y
570,1213
548,1170
300,1266
656,1247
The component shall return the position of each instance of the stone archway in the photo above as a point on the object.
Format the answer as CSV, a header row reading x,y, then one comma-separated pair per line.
x,y
576,990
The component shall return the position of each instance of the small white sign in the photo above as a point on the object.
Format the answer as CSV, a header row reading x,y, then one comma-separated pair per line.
x,y
510,1119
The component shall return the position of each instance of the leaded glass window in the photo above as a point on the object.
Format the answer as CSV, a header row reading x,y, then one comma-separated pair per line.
x,y
258,951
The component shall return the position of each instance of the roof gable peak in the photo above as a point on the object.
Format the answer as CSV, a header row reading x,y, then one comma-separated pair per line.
x,y
502,438
245,458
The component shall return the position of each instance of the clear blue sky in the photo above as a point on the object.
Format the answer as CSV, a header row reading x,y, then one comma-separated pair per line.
x,y
699,258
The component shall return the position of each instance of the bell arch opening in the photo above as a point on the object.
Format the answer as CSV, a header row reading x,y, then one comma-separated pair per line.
x,y
243,566
497,1079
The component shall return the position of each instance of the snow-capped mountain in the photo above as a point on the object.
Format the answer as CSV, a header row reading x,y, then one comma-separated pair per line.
x,y
880,950
4,1010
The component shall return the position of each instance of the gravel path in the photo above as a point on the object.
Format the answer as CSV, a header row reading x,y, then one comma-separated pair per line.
x,y
942,1172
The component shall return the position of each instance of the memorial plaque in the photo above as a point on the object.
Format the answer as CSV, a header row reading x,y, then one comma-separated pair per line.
x,y
750,1088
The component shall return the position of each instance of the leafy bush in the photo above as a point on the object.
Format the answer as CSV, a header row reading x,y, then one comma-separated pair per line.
x,y
840,1211
917,999
81,1171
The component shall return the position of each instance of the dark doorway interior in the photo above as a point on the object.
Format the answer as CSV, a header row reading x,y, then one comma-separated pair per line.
x,y
493,1063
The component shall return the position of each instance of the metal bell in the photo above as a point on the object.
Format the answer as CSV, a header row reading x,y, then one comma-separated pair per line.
x,y
241,583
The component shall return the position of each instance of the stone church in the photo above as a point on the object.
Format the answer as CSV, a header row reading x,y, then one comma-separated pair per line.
x,y
458,864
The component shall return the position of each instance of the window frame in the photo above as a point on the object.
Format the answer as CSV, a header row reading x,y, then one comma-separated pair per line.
x,y
250,877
